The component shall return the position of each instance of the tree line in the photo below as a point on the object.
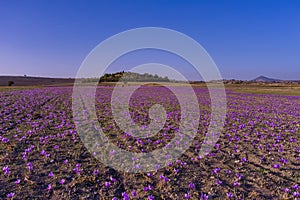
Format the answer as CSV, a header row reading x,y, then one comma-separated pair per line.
x,y
127,77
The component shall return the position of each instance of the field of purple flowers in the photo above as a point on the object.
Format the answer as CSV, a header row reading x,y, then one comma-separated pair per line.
x,y
256,157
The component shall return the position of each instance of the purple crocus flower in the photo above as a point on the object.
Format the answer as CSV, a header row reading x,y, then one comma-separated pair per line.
x,y
50,174
112,152
113,179
62,181
134,194
150,187
6,170
283,160
187,196
192,185
29,165
24,156
95,172
219,182
203,196
43,152
150,197
239,175
10,195
297,187
17,181
229,195
5,140
133,159
125,196
49,187
107,184
276,166
76,169
216,170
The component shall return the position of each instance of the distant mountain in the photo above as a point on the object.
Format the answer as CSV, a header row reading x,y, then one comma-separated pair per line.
x,y
33,81
47,81
265,79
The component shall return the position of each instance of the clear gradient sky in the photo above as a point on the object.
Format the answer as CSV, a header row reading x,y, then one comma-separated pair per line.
x,y
245,38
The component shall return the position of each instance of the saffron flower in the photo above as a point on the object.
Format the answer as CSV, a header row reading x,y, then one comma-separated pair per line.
x,y
95,172
187,196
113,179
150,197
296,194
62,181
276,166
192,185
107,184
10,195
76,169
219,182
296,186
239,176
49,187
283,160
29,165
125,196
134,194
5,140
50,174
229,195
216,170
204,196
6,170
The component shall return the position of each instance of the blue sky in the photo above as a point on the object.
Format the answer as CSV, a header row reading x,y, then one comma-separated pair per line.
x,y
244,38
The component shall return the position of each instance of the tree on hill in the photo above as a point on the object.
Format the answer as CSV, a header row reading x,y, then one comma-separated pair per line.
x,y
131,76
10,83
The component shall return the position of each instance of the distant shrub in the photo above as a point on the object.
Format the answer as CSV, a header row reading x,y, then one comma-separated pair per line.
x,y
10,83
